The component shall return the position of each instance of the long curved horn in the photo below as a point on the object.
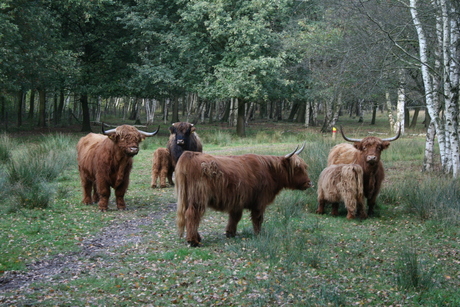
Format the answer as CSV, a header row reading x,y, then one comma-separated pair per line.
x,y
348,139
292,153
395,137
147,134
106,132
301,149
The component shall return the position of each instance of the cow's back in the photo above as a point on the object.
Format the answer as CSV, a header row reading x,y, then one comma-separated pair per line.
x,y
88,145
343,154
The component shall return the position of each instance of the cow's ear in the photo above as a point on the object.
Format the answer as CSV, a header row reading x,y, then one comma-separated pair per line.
x,y
112,136
358,145
172,129
385,145
192,129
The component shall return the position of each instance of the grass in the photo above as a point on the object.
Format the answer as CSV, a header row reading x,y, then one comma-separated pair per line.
x,y
401,257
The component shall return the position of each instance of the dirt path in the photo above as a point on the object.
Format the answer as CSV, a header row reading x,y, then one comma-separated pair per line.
x,y
93,252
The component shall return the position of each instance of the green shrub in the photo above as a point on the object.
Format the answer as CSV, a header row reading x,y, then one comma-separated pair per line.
x,y
411,274
33,168
6,146
432,198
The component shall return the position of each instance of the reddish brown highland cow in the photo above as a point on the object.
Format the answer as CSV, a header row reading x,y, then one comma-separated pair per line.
x,y
105,161
366,153
162,168
232,184
342,183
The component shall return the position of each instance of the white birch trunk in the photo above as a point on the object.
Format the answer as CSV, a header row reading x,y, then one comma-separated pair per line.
x,y
390,111
428,160
401,103
427,81
307,114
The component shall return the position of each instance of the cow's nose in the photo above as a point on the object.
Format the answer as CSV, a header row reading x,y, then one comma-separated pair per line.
x,y
134,149
180,142
371,158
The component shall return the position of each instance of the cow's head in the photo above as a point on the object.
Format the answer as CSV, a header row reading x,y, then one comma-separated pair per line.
x,y
181,132
371,146
297,169
127,138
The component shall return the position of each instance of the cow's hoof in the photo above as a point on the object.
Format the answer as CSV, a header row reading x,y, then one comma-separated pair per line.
x,y
319,212
230,234
194,244
153,186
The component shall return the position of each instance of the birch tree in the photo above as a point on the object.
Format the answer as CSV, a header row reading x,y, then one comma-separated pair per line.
x,y
445,123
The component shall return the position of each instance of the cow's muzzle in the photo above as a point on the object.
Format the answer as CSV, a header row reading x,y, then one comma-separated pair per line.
x,y
371,159
180,142
132,151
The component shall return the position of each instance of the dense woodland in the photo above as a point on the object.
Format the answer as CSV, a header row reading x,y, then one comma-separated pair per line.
x,y
311,61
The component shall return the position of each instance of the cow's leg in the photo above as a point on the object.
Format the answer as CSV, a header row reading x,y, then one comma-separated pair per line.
x,y
163,175
193,218
103,192
153,184
95,194
371,205
350,215
120,192
361,212
321,205
87,188
170,175
257,217
335,209
233,219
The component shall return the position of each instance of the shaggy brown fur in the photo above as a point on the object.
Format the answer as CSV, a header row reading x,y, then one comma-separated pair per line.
x,y
183,137
162,167
232,184
366,153
342,183
106,161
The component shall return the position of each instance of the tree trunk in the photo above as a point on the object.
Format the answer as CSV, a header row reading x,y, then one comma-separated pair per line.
x,y
31,105
307,114
86,124
401,103
240,126
374,113
175,109
20,100
431,101
428,159
60,107
413,123
41,108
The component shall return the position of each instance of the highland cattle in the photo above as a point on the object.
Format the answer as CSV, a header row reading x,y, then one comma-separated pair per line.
x,y
366,153
342,183
231,184
105,160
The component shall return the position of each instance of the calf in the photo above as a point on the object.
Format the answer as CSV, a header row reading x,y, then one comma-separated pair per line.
x,y
342,183
162,167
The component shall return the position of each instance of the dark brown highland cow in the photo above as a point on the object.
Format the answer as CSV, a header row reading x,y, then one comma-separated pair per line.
x,y
162,168
342,183
183,137
366,153
232,184
105,161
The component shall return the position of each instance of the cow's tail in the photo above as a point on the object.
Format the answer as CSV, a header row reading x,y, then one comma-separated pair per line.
x,y
359,173
352,185
181,194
